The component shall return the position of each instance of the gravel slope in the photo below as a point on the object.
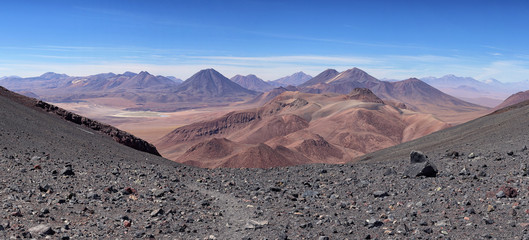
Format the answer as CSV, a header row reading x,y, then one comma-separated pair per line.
x,y
64,181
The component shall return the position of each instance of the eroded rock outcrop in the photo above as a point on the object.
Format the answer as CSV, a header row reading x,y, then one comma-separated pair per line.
x,y
119,136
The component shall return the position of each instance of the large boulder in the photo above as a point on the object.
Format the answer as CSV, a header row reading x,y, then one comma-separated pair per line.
x,y
420,165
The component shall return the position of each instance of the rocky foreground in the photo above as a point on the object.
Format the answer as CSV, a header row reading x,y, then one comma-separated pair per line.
x,y
63,181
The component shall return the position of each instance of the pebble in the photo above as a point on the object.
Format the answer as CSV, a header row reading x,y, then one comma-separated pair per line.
x,y
41,230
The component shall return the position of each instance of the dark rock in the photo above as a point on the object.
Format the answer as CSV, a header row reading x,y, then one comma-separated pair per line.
x,y
46,188
389,172
488,221
509,191
417,157
157,212
500,194
128,191
372,223
93,195
119,136
426,169
420,166
67,171
380,194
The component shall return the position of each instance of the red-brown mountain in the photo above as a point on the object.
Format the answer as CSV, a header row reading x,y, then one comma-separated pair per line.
x,y
297,128
320,78
514,99
252,82
413,92
267,96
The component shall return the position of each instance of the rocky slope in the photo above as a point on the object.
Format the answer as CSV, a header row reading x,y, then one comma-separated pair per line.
x,y
62,182
513,99
117,135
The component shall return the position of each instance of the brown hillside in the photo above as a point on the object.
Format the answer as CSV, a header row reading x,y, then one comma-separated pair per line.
x,y
299,128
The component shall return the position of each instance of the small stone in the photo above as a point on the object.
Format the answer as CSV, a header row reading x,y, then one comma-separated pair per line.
x,y
127,223
464,172
257,224
471,211
471,155
67,171
157,212
249,226
160,192
41,230
93,195
509,191
442,223
389,172
309,194
510,153
44,211
500,194
16,213
128,191
380,194
372,223
323,238
490,208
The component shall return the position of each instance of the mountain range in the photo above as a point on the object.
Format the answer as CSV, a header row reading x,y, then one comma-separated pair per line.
x,y
142,91
488,93
414,93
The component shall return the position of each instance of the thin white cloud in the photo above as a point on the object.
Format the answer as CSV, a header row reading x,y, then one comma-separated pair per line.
x,y
509,71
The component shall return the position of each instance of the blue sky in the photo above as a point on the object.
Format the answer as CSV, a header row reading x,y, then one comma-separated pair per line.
x,y
389,39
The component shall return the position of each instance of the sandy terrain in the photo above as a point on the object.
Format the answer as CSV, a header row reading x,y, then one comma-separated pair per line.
x,y
147,125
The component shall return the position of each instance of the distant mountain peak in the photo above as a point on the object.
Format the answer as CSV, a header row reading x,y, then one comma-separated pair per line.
x,y
129,74
209,83
51,75
252,82
294,79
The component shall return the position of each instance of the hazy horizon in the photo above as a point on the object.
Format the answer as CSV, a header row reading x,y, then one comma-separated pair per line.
x,y
271,39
